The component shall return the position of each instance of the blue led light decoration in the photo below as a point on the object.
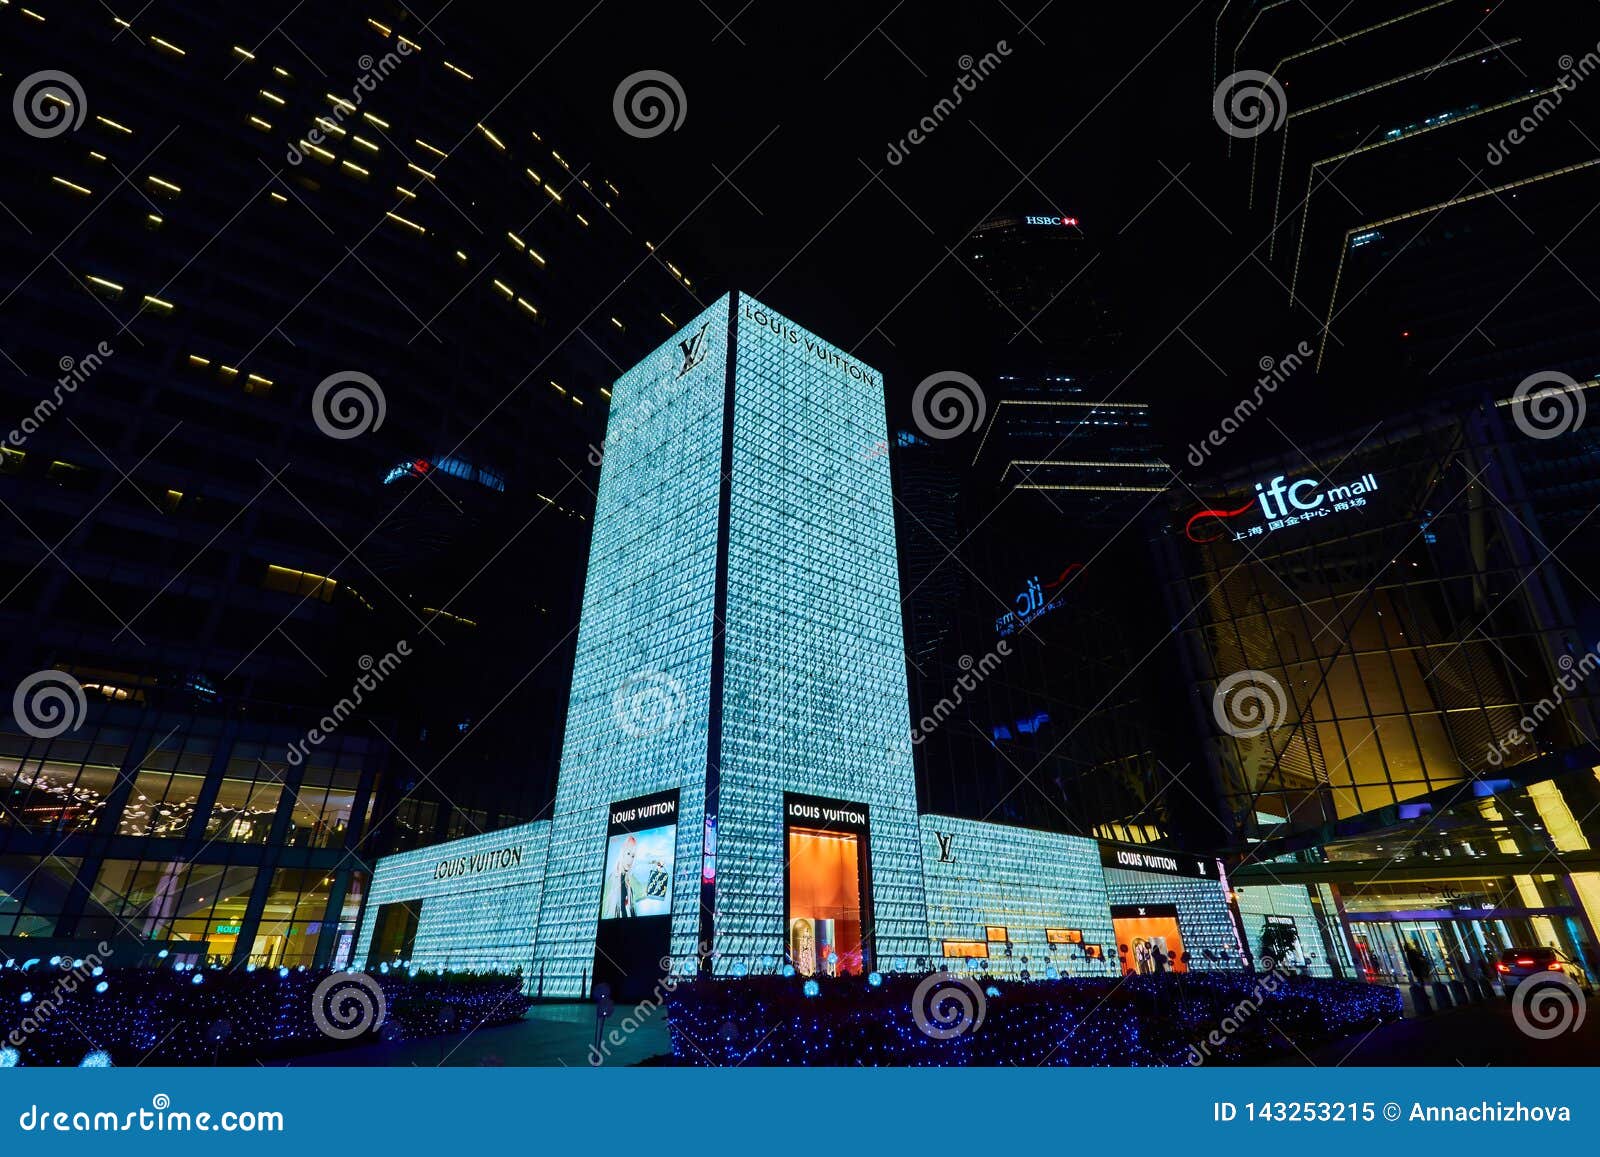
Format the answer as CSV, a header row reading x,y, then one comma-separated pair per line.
x,y
736,479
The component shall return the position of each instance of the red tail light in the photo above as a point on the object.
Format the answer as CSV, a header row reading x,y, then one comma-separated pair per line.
x,y
1525,961
1552,968
1503,967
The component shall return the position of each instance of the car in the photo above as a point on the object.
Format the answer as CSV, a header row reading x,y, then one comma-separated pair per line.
x,y
1519,964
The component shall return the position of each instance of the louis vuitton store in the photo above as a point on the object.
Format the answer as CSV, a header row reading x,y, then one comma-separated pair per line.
x,y
1002,901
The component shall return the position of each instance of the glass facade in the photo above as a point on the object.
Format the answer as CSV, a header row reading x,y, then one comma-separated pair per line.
x,y
770,509
1396,640
169,828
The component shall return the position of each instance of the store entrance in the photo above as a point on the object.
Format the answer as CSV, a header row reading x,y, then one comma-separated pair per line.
x,y
394,932
1402,947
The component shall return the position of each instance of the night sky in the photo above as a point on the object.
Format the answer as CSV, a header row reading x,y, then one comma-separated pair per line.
x,y
1103,114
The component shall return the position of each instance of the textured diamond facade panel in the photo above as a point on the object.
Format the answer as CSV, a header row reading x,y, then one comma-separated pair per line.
x,y
1203,914
981,876
479,900
815,697
645,631
813,685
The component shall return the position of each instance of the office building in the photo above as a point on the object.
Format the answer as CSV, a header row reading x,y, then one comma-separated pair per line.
x,y
307,335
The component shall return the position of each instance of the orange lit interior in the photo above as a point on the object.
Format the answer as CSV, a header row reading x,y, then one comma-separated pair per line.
x,y
824,901
1160,930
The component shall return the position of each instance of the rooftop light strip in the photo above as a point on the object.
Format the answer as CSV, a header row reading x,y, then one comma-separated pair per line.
x,y
1294,278
1392,81
1338,276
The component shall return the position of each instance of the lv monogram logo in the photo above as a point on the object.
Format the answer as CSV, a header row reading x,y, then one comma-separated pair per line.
x,y
693,350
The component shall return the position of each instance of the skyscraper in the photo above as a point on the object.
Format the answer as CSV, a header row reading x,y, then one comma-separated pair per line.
x,y
235,212
740,680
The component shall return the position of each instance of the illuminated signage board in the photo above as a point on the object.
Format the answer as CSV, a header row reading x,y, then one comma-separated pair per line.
x,y
829,815
1281,503
1142,859
455,467
1035,600
478,864
1058,222
1063,935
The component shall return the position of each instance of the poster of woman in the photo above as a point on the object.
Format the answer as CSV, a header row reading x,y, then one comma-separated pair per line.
x,y
638,875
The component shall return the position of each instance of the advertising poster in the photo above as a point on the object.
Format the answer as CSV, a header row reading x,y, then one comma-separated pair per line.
x,y
641,837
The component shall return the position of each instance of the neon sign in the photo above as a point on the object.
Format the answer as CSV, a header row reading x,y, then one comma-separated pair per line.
x,y
1057,221
455,467
1029,726
1284,503
1035,600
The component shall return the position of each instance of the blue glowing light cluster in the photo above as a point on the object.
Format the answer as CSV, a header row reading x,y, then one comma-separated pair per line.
x,y
169,1016
1149,1020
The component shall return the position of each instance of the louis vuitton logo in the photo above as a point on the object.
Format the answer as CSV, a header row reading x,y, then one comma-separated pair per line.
x,y
693,350
945,840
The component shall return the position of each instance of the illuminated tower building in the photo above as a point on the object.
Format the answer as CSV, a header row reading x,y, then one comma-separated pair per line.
x,y
736,787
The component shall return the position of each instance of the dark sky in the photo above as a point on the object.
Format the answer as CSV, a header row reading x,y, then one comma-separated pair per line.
x,y
1102,114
